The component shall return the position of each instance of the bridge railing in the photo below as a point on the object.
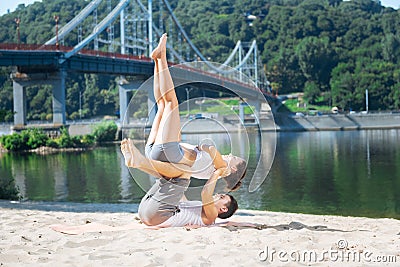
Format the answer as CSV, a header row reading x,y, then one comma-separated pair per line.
x,y
34,47
63,49
113,55
249,84
96,53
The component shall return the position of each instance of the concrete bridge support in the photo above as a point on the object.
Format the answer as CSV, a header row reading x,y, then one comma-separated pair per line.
x,y
256,107
125,89
152,105
19,99
22,81
59,116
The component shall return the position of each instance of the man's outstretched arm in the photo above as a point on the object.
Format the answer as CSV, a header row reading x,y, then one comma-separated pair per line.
x,y
209,209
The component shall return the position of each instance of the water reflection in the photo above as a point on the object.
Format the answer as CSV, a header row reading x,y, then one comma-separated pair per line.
x,y
330,173
346,173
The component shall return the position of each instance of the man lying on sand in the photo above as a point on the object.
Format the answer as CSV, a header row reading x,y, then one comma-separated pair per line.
x,y
161,206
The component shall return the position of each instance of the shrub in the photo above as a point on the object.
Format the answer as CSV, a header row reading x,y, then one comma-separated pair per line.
x,y
64,140
26,139
51,143
14,142
6,115
36,138
3,114
105,131
74,115
8,189
83,140
9,117
43,116
88,140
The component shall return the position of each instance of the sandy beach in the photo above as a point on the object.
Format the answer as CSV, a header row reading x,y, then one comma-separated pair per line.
x,y
277,239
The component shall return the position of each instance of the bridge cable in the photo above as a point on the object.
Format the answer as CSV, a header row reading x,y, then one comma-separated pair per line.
x,y
197,51
98,29
159,33
71,25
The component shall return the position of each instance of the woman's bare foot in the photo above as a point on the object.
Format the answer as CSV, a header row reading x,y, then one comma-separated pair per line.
x,y
161,49
125,151
137,157
133,157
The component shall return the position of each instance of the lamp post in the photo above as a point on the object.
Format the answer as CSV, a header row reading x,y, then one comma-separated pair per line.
x,y
80,105
18,21
201,101
56,18
187,99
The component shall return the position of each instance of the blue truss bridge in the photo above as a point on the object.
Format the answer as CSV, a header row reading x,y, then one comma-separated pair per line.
x,y
127,55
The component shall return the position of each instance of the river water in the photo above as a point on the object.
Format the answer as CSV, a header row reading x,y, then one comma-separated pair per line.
x,y
352,173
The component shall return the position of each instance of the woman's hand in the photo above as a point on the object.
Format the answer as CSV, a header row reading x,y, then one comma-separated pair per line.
x,y
219,163
224,171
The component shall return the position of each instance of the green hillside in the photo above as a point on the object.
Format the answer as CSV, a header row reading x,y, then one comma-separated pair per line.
x,y
331,50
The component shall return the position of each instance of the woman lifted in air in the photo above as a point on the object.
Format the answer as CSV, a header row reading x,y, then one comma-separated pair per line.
x,y
164,141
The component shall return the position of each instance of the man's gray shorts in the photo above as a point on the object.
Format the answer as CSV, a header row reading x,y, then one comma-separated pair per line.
x,y
161,201
168,152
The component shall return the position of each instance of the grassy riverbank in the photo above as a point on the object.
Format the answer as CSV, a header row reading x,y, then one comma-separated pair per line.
x,y
34,138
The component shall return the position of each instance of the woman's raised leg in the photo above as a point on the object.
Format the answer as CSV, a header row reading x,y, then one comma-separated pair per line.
x,y
166,125
159,100
170,126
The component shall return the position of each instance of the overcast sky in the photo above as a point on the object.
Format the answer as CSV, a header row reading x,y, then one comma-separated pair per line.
x,y
12,4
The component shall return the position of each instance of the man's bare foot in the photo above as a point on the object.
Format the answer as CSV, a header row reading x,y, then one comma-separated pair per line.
x,y
161,49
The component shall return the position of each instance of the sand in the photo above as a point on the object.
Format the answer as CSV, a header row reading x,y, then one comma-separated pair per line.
x,y
279,239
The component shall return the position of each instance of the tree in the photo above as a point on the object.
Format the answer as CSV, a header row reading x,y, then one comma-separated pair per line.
x,y
6,93
342,86
311,92
92,96
391,48
316,60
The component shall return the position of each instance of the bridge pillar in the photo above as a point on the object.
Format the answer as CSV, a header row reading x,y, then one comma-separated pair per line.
x,y
125,87
256,107
123,104
241,111
151,105
59,99
19,99
22,80
256,104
